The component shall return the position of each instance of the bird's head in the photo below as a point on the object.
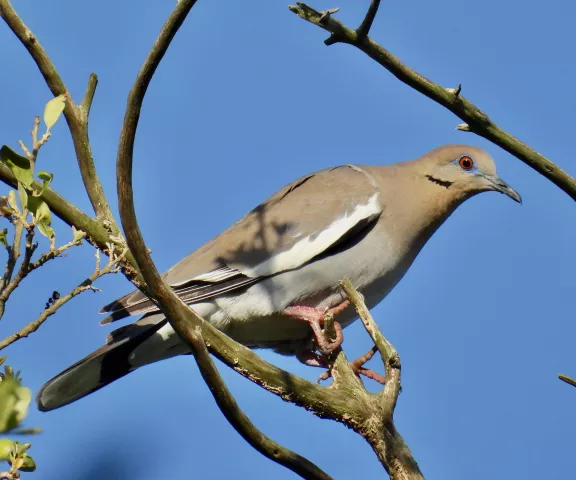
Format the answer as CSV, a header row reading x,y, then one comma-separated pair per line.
x,y
463,170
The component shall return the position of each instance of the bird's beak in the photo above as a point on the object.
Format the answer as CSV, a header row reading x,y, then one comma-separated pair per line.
x,y
501,186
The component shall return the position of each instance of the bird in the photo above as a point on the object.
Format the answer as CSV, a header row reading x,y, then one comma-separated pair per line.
x,y
269,279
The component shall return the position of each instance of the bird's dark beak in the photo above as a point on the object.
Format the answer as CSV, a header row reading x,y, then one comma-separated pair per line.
x,y
501,186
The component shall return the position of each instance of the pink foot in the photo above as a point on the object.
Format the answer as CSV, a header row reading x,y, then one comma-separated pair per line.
x,y
358,368
315,318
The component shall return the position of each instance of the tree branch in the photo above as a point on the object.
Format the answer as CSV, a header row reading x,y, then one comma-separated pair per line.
x,y
96,234
186,323
76,116
476,120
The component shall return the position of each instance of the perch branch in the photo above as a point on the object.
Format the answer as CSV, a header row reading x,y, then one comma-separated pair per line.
x,y
76,116
188,325
476,120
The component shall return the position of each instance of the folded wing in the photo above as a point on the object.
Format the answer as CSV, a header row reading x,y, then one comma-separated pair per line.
x,y
302,221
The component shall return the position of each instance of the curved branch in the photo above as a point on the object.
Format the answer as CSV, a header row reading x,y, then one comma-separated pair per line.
x,y
476,120
188,325
76,115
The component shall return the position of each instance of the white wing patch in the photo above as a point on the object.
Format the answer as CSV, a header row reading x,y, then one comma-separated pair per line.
x,y
309,247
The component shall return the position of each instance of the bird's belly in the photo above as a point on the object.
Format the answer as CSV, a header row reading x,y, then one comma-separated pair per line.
x,y
254,316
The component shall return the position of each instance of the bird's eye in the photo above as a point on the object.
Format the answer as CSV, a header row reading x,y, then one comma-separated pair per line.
x,y
466,162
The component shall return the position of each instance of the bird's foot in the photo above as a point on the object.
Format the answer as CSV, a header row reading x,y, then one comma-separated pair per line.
x,y
317,319
357,367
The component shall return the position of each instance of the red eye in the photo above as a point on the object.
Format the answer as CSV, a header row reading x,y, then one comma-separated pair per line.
x,y
466,162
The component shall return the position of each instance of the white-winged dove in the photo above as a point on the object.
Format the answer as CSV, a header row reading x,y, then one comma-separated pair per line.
x,y
268,280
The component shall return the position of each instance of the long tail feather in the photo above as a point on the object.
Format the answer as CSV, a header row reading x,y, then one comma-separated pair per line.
x,y
135,345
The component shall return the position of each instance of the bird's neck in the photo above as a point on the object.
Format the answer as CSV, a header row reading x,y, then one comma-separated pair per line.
x,y
417,208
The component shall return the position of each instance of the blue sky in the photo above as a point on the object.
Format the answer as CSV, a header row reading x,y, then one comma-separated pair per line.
x,y
247,99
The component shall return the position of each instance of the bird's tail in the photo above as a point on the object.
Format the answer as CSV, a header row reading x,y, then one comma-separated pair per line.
x,y
149,340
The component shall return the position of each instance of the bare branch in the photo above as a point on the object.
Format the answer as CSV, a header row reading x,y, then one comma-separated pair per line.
x,y
477,121
76,117
53,308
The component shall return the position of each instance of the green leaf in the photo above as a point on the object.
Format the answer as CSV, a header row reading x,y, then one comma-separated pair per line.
x,y
45,229
5,448
23,397
53,110
77,234
3,240
19,165
8,399
12,200
40,210
46,179
42,215
29,465
23,194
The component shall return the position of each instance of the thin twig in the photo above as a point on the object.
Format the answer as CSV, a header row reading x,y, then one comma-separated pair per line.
x,y
13,255
47,256
477,121
386,349
111,267
37,144
7,289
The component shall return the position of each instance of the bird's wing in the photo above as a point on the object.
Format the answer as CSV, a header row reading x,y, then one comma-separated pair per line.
x,y
302,221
